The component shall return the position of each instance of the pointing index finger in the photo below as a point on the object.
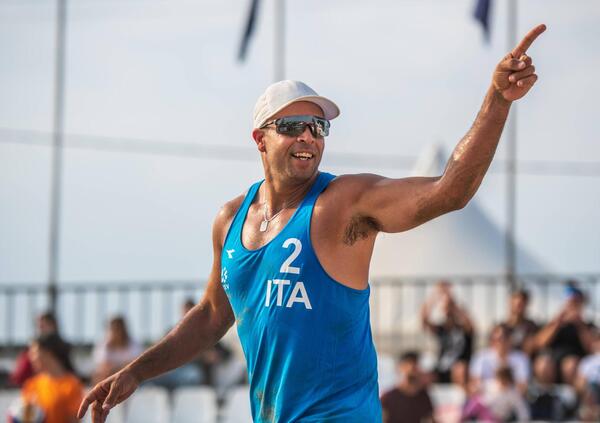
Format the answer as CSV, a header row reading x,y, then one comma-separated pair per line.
x,y
528,40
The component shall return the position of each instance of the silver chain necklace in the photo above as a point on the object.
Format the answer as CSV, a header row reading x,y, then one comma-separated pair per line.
x,y
264,225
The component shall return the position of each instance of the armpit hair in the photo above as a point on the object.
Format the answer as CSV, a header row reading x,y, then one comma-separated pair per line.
x,y
359,228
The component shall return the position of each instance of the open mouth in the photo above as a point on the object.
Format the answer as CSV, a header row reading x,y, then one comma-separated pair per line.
x,y
303,155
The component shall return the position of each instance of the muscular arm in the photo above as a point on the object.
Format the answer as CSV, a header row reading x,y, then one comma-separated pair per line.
x,y
396,205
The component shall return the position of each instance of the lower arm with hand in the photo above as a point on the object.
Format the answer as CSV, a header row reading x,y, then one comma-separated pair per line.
x,y
513,77
200,329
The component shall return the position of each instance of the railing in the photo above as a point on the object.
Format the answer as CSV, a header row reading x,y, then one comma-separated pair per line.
x,y
396,303
83,309
151,308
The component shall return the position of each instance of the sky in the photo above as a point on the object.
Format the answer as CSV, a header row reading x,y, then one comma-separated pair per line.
x,y
406,74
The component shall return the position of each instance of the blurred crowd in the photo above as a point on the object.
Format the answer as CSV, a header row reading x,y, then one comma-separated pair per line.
x,y
52,389
528,371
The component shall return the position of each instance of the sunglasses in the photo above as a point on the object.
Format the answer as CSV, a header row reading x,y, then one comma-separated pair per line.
x,y
293,126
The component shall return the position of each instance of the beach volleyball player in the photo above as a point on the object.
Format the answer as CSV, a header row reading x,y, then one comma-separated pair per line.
x,y
291,258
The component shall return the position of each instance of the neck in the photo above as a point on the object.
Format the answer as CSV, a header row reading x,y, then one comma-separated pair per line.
x,y
516,318
56,370
408,388
278,194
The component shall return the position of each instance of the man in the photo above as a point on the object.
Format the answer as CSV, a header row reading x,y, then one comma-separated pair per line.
x,y
522,328
568,336
454,336
409,401
291,259
486,362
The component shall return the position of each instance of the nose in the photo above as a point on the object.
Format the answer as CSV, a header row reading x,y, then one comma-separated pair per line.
x,y
306,136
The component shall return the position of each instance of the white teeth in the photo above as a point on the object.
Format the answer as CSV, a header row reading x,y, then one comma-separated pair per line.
x,y
303,156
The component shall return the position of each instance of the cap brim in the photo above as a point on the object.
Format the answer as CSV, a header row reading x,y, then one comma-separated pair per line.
x,y
330,109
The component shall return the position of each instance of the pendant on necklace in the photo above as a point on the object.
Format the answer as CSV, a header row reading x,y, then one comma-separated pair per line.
x,y
264,225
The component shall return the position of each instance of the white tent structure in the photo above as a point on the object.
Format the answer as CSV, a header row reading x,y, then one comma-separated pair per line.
x,y
464,243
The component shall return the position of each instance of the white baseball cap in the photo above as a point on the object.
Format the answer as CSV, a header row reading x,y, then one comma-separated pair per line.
x,y
283,93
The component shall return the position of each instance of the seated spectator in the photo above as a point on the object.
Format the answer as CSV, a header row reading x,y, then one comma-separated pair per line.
x,y
543,396
55,388
409,401
454,336
45,325
568,337
522,328
116,351
588,383
486,362
502,402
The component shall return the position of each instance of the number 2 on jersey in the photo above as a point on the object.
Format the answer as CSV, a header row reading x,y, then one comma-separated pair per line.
x,y
286,267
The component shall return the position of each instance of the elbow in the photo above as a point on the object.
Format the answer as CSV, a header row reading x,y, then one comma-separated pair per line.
x,y
459,202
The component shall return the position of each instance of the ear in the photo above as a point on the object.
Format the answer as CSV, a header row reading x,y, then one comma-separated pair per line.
x,y
258,135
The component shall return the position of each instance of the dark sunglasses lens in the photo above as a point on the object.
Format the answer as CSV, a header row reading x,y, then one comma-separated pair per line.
x,y
321,127
291,128
294,126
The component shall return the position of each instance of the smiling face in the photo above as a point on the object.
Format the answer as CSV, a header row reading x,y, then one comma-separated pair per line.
x,y
292,160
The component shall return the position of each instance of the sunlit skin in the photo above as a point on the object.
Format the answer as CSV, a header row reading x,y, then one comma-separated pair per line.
x,y
345,222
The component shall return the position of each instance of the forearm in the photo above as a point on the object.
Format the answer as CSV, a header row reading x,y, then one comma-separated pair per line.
x,y
472,156
545,336
201,328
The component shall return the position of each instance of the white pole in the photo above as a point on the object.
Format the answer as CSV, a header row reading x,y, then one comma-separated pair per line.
x,y
511,162
279,44
56,187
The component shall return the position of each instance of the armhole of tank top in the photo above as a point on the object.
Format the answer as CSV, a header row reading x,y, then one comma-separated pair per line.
x,y
314,252
242,207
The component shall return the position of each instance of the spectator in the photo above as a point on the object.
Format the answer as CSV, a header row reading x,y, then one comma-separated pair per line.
x,y
454,336
522,328
486,362
502,402
117,350
588,382
409,401
55,388
543,396
568,337
45,325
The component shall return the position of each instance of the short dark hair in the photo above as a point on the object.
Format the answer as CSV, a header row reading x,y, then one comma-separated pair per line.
x,y
523,293
49,316
408,356
60,349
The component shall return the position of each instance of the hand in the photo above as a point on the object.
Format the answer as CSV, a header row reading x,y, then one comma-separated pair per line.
x,y
515,74
108,393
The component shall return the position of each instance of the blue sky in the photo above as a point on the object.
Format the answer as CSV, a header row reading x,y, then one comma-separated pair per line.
x,y
405,74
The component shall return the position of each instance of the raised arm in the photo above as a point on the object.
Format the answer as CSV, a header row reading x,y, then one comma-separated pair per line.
x,y
201,328
397,205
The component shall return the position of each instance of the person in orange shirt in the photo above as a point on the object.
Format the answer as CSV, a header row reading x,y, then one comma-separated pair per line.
x,y
55,388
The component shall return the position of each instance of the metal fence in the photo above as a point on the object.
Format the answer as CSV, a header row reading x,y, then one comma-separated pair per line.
x,y
83,309
152,308
396,304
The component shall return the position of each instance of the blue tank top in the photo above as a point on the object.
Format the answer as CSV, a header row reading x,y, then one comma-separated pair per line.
x,y
306,337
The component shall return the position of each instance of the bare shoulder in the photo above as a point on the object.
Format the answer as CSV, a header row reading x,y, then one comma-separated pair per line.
x,y
225,217
351,186
339,209
347,190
